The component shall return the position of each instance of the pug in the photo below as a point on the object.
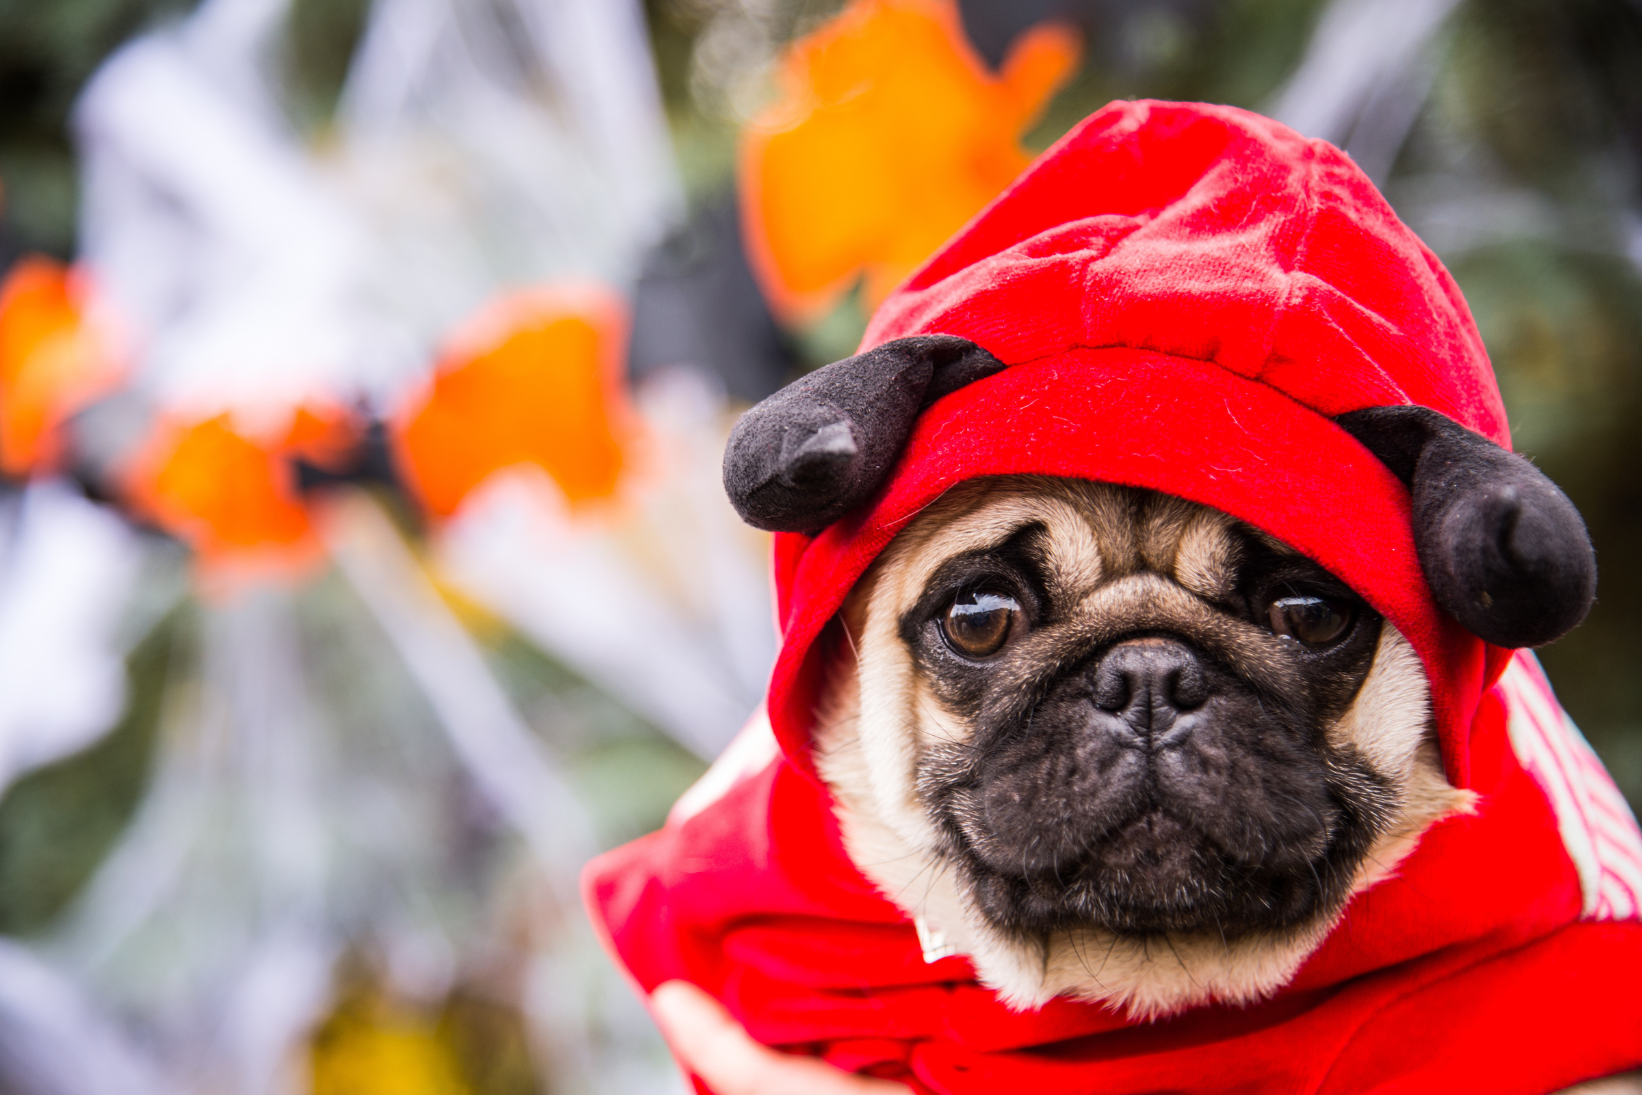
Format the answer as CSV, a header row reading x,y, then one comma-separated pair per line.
x,y
1115,746
1120,746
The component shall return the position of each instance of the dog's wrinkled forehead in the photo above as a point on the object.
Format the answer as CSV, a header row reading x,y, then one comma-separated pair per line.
x,y
1079,534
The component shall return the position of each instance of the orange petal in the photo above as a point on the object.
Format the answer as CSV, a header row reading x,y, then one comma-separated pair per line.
x,y
1039,63
535,378
51,362
221,492
889,135
323,435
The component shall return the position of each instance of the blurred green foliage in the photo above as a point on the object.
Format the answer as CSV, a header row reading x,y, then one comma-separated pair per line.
x,y
626,772
1564,327
320,36
704,145
702,48
1552,89
1237,51
47,50
1539,109
57,822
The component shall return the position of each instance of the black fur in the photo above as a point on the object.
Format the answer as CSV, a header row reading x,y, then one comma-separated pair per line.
x,y
1149,769
1504,551
822,445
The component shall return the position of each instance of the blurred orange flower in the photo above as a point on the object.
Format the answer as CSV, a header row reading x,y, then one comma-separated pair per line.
x,y
890,133
231,496
535,378
52,364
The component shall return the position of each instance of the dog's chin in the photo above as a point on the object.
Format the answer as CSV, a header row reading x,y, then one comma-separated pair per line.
x,y
1154,874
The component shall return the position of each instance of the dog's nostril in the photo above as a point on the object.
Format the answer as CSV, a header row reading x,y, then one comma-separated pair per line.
x,y
1112,688
1185,687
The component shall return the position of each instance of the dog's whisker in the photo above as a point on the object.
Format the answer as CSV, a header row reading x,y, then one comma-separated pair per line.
x,y
1072,936
1167,938
1111,946
888,862
844,626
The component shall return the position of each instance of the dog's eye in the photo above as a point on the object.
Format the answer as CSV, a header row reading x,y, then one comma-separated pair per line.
x,y
978,624
1314,621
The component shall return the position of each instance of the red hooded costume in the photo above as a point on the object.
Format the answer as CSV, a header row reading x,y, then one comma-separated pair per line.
x,y
1185,296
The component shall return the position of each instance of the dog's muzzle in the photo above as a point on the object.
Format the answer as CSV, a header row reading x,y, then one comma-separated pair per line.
x,y
1150,789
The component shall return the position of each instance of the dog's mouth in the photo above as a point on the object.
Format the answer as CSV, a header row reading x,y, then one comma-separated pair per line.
x,y
1155,874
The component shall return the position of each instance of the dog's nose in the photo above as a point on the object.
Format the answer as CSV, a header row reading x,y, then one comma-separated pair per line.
x,y
1149,682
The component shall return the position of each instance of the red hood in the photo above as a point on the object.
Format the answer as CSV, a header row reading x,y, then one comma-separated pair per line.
x,y
1185,296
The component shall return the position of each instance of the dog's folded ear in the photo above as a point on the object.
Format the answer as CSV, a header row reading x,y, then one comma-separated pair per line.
x,y
819,447
1503,549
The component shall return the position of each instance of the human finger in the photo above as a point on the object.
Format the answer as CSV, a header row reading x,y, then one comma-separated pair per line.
x,y
715,1047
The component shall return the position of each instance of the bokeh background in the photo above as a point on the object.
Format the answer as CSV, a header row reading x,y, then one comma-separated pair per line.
x,y
364,371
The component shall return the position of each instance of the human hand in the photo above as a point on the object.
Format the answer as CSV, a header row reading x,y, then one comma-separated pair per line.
x,y
716,1048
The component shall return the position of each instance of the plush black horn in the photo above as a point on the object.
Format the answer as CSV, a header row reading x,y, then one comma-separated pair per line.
x,y
1504,551
819,447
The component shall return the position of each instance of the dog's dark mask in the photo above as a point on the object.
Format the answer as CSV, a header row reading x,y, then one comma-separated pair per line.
x,y
1144,760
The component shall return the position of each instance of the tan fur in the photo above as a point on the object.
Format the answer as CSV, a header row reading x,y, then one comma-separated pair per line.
x,y
1629,1083
1115,548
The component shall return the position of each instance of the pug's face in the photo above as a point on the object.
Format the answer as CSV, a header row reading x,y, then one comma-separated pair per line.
x,y
1104,710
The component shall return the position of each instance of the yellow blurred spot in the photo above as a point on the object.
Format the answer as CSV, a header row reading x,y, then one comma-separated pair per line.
x,y
360,1053
889,135
51,363
228,494
535,378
